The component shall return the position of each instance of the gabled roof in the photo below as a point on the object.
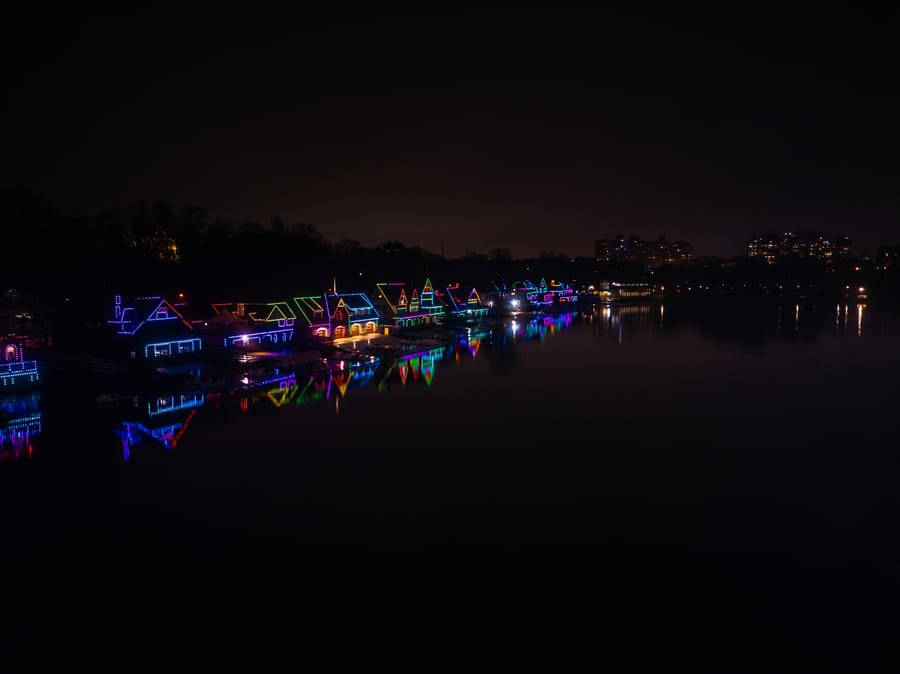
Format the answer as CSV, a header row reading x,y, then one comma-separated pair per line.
x,y
310,302
269,311
399,295
308,305
350,302
394,294
355,300
261,312
427,298
454,296
460,300
224,307
148,309
338,303
443,299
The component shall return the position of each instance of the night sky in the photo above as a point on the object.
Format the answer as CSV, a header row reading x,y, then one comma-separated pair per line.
x,y
530,130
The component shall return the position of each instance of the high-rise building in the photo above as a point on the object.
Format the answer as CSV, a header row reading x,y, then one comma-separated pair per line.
x,y
772,247
650,253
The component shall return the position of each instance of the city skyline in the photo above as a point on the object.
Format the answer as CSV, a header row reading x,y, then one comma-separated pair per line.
x,y
532,131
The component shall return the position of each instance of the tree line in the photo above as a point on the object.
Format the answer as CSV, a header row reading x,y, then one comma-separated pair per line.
x,y
76,262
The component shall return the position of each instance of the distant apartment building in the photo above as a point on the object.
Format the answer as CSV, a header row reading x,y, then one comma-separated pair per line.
x,y
650,253
888,256
773,247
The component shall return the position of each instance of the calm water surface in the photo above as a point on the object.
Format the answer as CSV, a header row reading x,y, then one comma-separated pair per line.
x,y
625,484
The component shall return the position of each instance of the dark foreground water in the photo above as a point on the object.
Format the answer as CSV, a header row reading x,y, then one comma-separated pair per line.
x,y
631,486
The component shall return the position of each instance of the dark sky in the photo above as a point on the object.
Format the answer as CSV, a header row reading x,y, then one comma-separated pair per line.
x,y
528,129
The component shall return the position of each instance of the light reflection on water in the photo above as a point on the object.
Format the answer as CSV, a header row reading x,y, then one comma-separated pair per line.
x,y
604,459
504,349
21,424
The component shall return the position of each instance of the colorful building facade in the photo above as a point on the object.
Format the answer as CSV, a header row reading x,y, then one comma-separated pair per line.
x,y
155,328
525,295
254,324
15,369
408,307
311,310
350,314
464,305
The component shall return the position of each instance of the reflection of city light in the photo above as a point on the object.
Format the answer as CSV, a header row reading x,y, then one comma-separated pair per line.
x,y
859,318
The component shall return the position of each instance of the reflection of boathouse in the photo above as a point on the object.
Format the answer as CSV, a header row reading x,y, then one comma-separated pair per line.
x,y
165,420
21,423
175,402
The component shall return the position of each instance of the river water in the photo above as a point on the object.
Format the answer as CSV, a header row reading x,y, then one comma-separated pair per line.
x,y
632,484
